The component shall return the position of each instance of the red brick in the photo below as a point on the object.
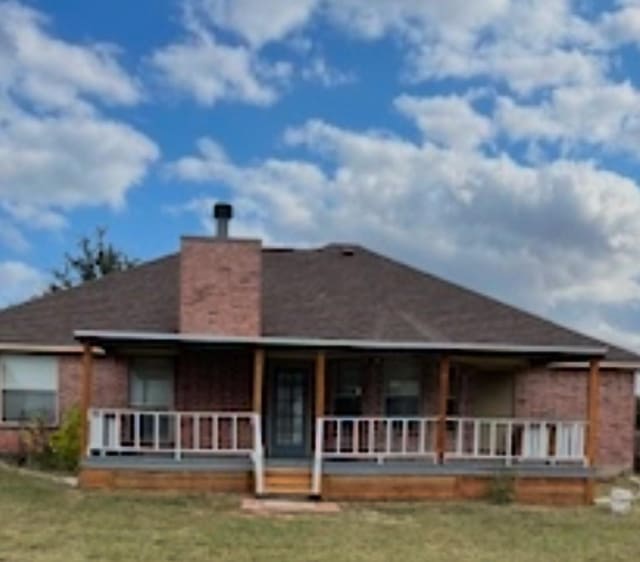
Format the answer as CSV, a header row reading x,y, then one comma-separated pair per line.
x,y
221,287
562,394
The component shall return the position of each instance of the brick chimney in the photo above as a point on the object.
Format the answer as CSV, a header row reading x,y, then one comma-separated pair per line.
x,y
220,282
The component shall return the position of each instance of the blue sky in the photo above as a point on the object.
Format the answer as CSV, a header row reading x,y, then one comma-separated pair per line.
x,y
495,143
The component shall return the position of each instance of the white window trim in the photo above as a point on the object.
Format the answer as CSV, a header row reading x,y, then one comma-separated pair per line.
x,y
23,424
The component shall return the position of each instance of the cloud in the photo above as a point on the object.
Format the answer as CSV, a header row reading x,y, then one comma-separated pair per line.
x,y
19,281
58,150
607,116
450,121
562,234
54,74
212,72
256,21
69,161
318,70
11,238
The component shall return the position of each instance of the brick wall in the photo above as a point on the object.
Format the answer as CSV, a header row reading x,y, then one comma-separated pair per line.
x,y
214,381
221,286
563,395
110,389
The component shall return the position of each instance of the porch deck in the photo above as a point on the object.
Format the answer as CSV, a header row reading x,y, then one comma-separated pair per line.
x,y
359,467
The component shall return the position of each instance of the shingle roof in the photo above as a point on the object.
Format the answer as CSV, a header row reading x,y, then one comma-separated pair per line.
x,y
338,291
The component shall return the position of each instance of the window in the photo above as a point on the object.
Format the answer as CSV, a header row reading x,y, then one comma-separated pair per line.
x,y
402,387
453,400
347,398
151,383
29,388
151,388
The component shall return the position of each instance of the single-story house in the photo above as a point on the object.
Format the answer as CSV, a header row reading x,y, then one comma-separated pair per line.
x,y
333,372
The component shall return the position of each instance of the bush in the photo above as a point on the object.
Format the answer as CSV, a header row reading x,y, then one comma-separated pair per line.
x,y
58,450
35,449
65,442
502,489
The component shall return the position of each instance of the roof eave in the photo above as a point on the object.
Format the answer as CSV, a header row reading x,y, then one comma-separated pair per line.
x,y
108,337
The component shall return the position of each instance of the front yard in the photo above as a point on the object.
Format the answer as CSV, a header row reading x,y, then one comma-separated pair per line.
x,y
43,521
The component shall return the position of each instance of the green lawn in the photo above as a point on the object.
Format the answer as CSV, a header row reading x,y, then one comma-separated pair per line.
x,y
40,521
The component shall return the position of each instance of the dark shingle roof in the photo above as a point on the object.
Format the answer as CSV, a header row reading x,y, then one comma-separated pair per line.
x,y
344,292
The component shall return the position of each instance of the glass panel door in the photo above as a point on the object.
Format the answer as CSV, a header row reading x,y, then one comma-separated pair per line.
x,y
290,415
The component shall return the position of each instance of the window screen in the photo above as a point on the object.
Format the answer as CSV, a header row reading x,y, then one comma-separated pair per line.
x,y
151,383
402,387
29,388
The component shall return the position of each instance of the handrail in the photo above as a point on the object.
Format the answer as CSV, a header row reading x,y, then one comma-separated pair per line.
x,y
516,439
121,430
377,437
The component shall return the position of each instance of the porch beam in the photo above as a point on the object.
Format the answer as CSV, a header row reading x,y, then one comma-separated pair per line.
x,y
85,404
258,380
321,367
593,419
443,394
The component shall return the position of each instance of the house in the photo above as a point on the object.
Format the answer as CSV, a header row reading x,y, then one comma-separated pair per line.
x,y
332,372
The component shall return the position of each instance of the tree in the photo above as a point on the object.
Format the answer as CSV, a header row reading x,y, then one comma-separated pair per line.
x,y
96,258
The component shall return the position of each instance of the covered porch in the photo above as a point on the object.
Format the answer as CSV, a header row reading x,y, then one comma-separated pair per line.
x,y
326,418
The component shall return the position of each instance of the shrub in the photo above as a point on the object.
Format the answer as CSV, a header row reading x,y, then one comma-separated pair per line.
x,y
35,449
65,442
502,489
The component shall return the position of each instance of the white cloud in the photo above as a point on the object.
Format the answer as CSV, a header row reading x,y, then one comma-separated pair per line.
x,y
69,161
54,74
57,149
35,216
606,115
19,281
621,26
11,238
318,70
211,72
258,22
450,121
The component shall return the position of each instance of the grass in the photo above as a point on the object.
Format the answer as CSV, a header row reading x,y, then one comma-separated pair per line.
x,y
43,521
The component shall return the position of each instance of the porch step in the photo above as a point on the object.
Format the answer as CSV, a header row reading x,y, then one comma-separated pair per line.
x,y
287,481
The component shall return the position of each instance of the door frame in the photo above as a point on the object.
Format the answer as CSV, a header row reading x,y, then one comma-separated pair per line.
x,y
307,368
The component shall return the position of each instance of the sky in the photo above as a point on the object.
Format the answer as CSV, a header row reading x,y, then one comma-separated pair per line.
x,y
495,143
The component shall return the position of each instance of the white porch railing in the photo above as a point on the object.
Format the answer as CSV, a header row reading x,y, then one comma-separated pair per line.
x,y
514,440
177,433
374,438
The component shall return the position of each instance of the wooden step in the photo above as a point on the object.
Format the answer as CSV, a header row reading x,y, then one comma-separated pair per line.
x,y
287,481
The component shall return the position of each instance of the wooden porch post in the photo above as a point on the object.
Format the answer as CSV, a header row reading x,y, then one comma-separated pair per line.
x,y
593,418
258,378
87,383
443,394
316,474
258,448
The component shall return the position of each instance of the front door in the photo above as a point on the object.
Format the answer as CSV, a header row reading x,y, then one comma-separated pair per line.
x,y
289,419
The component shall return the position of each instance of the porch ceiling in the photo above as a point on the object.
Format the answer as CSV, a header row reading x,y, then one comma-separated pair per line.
x,y
108,339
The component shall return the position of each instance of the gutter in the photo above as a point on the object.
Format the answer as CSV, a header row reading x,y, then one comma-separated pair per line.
x,y
99,337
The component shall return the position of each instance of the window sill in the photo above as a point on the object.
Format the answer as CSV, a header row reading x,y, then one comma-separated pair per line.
x,y
25,425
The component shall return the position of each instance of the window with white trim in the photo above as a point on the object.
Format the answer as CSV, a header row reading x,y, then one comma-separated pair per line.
x,y
402,387
29,386
151,383
151,388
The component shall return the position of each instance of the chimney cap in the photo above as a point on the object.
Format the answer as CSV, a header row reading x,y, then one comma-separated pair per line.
x,y
222,211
